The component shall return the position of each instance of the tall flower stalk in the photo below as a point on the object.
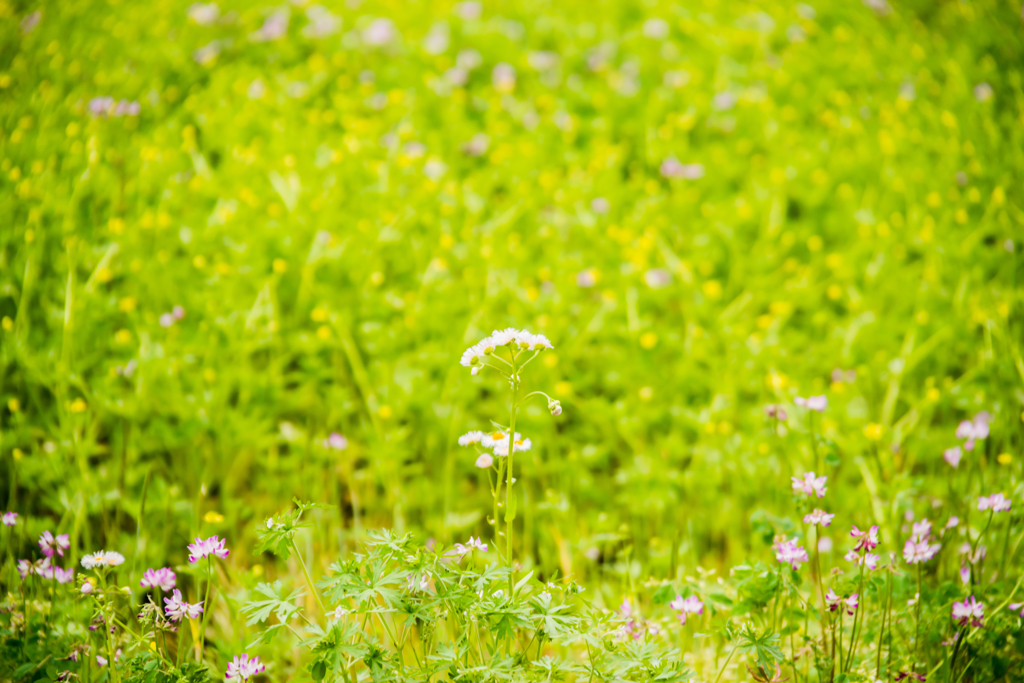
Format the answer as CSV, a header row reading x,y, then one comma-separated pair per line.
x,y
507,352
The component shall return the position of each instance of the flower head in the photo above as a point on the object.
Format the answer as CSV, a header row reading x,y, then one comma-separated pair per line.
x,y
866,540
484,461
908,674
975,429
61,576
1017,607
177,609
810,484
775,411
969,611
473,357
686,606
102,559
471,544
38,567
203,548
952,456
50,544
468,438
818,517
996,503
10,518
244,668
816,403
791,553
919,550
163,579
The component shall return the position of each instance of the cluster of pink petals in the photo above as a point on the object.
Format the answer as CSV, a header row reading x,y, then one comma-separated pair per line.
x,y
776,411
635,626
952,456
685,606
471,544
817,403
818,517
997,502
51,544
163,578
810,484
969,611
790,552
1017,607
177,609
834,602
918,547
975,429
10,518
203,548
244,668
28,568
869,560
866,540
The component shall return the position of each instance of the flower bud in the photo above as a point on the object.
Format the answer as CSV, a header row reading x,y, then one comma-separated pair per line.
x,y
555,407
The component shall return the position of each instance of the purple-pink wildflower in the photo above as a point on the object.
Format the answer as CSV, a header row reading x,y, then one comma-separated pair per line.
x,y
919,550
61,576
243,668
776,411
866,540
38,567
818,517
816,403
791,553
952,456
685,606
51,544
975,429
204,547
969,611
10,518
810,484
996,502
163,578
177,609
1017,607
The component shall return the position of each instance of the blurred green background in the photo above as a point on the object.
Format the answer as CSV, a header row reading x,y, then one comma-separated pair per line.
x,y
341,197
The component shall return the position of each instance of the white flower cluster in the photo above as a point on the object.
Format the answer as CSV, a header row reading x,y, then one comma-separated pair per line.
x,y
496,442
520,339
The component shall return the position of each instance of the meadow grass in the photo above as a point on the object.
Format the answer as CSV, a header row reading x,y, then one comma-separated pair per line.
x,y
245,245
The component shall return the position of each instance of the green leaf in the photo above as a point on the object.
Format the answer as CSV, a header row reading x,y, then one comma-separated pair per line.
x,y
664,595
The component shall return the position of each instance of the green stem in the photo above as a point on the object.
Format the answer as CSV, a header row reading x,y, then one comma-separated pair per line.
x,y
726,663
206,609
881,631
309,580
917,638
856,617
509,515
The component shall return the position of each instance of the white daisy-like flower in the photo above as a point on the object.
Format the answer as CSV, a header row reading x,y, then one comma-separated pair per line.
x,y
104,558
501,449
473,355
504,337
491,439
533,342
471,438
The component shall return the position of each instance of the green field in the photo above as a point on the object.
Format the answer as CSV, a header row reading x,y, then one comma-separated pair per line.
x,y
233,230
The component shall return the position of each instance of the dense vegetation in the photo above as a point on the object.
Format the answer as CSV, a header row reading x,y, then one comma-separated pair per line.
x,y
767,255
